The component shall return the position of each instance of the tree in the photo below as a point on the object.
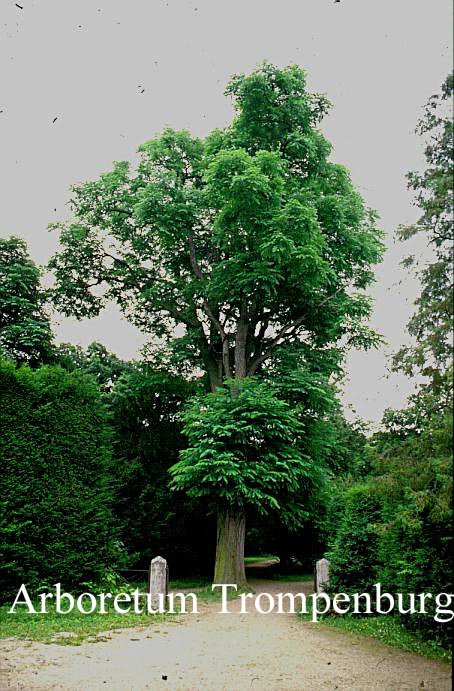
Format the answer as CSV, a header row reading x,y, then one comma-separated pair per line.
x,y
96,360
25,333
244,451
144,407
432,323
244,243
410,459
414,476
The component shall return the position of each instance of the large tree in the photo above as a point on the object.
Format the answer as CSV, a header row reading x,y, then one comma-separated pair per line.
x,y
229,249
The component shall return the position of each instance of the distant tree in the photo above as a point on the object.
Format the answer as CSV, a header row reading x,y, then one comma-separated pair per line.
x,y
96,360
242,244
145,407
432,323
25,333
409,531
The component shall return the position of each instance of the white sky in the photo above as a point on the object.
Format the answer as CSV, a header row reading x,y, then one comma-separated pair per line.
x,y
86,62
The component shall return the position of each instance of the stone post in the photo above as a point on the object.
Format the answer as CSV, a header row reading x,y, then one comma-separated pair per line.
x,y
158,581
321,575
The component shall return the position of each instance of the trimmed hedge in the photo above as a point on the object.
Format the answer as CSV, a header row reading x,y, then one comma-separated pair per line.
x,y
354,553
55,517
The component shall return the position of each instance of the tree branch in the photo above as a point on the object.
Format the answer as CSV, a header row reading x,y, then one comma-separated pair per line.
x,y
240,342
180,317
116,259
193,259
209,312
286,331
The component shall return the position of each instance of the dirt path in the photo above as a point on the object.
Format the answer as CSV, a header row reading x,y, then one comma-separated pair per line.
x,y
215,652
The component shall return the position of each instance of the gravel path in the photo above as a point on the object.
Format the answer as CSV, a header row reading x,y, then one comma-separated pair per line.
x,y
222,652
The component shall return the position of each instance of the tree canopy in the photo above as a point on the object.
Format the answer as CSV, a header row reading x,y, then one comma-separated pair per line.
x,y
432,323
25,333
245,240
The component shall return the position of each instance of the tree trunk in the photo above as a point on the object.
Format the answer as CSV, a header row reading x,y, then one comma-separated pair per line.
x,y
231,528
229,566
240,343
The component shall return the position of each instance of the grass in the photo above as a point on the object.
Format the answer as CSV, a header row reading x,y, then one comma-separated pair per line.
x,y
266,557
290,578
53,627
387,629
74,628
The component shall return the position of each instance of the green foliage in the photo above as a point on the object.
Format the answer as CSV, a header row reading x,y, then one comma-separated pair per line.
x,y
304,379
144,407
353,555
416,532
95,360
397,529
432,323
272,105
244,452
348,447
25,333
247,241
55,520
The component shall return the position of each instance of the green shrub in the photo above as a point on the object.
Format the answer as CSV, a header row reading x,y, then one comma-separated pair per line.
x,y
354,552
396,530
55,520
416,535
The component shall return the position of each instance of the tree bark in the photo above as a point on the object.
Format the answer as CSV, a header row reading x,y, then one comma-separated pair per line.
x,y
240,343
231,530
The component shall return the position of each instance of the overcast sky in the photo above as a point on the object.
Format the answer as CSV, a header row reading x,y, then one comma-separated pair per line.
x,y
85,82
